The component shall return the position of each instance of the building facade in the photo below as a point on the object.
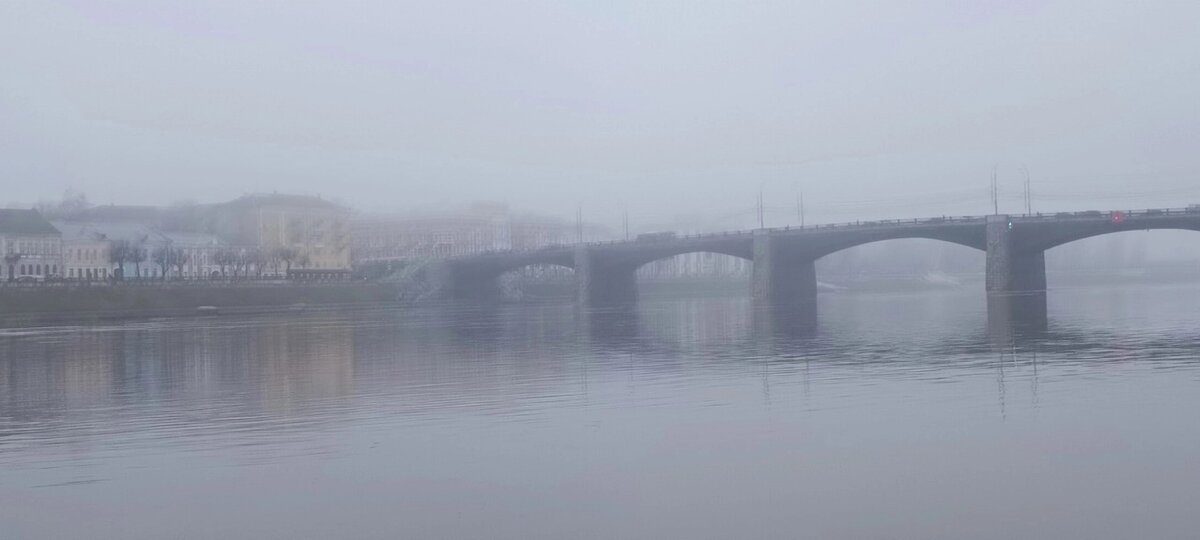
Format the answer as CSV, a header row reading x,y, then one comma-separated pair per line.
x,y
200,254
482,228
311,234
31,246
85,252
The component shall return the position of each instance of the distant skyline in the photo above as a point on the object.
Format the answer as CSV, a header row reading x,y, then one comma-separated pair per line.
x,y
873,109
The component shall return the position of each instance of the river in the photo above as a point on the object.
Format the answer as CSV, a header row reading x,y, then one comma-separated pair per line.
x,y
893,416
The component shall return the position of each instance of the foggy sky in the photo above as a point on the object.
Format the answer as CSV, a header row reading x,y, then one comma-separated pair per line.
x,y
873,109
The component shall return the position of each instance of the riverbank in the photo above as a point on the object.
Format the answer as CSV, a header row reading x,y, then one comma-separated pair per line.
x,y
165,299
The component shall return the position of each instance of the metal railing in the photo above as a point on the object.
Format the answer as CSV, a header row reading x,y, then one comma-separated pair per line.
x,y
1108,214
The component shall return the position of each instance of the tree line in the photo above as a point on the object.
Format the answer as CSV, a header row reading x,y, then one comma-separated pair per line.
x,y
231,262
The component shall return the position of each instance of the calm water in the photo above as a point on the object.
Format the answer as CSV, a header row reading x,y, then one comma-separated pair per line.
x,y
897,416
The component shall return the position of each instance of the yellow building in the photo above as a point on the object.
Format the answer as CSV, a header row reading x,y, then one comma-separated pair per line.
x,y
304,236
85,252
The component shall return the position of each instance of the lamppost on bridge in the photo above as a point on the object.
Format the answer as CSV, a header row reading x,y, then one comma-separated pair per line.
x,y
800,205
995,192
761,220
1028,191
579,223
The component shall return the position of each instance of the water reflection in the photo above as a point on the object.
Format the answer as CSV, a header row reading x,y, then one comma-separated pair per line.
x,y
785,322
1016,315
511,410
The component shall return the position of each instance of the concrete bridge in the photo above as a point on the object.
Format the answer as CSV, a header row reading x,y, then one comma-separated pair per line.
x,y
784,258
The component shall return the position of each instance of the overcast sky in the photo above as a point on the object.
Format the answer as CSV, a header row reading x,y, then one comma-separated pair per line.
x,y
873,109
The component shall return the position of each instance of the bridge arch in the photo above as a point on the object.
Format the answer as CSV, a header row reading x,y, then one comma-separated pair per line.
x,y
1117,251
739,247
1042,240
901,255
640,263
694,270
821,247
478,277
490,267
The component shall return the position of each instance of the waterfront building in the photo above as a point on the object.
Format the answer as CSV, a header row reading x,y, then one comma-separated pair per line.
x,y
138,236
311,234
201,254
481,228
393,237
85,252
31,246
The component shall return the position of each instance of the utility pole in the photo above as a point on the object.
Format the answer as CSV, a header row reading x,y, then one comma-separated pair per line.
x,y
579,223
626,225
995,194
1028,191
800,207
760,209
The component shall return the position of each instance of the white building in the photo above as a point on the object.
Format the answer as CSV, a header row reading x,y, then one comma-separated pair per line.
x,y
199,250
31,246
138,235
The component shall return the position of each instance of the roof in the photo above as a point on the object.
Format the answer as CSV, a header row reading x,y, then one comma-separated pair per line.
x,y
118,212
281,199
189,239
138,233
24,222
78,232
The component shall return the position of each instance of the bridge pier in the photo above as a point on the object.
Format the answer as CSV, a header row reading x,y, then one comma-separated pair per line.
x,y
783,274
1011,269
1016,278
600,282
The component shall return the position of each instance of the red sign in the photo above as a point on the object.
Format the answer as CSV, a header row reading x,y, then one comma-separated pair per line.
x,y
1117,217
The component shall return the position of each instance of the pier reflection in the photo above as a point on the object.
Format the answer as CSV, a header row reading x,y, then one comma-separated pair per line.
x,y
1016,316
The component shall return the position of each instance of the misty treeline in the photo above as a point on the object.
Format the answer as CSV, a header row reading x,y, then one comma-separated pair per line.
x,y
179,216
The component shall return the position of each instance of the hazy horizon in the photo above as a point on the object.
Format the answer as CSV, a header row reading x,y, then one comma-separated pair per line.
x,y
873,110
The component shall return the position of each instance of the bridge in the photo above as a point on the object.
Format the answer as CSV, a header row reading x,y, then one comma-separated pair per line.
x,y
784,271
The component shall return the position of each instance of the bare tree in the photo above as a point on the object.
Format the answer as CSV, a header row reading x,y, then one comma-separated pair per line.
x,y
11,260
137,256
163,256
254,260
72,202
288,256
240,263
224,258
180,260
272,258
119,252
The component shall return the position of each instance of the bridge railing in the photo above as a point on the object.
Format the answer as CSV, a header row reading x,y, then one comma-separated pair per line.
x,y
797,228
1108,214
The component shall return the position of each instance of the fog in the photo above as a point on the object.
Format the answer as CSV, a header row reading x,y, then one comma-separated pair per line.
x,y
666,110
